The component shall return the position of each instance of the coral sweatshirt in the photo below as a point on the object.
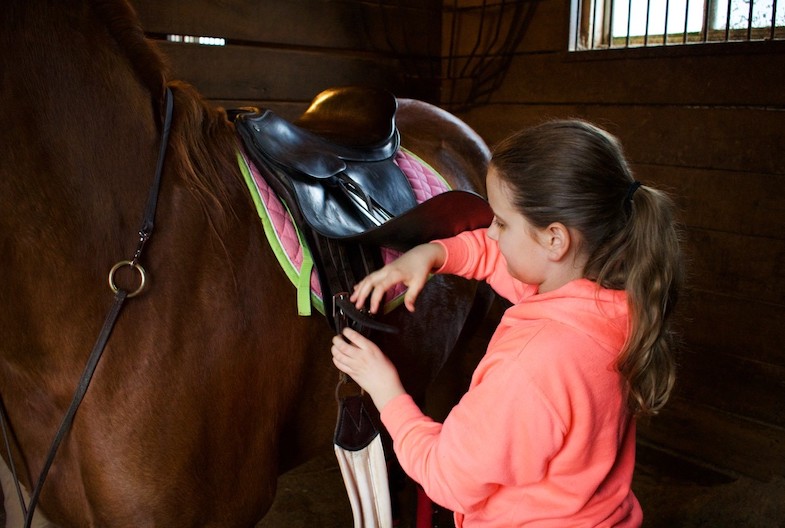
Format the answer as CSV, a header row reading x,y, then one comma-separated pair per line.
x,y
542,438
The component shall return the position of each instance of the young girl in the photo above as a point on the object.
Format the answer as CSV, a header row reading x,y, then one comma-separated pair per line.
x,y
590,259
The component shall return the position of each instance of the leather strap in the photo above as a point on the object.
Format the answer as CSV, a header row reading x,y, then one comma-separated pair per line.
x,y
145,232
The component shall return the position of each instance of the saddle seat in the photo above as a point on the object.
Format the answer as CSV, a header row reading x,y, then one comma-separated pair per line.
x,y
352,116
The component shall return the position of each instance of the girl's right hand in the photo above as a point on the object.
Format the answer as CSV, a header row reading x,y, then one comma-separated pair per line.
x,y
412,269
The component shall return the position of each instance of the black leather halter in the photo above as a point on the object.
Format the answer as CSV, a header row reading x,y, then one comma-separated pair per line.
x,y
103,337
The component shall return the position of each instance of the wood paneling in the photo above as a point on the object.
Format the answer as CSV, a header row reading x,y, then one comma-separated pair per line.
x,y
713,322
281,52
752,389
723,138
348,24
706,124
251,73
730,201
659,80
717,439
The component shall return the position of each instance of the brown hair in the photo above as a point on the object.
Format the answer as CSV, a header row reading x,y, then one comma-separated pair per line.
x,y
573,172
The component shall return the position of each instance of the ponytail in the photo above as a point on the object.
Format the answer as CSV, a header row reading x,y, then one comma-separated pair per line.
x,y
645,259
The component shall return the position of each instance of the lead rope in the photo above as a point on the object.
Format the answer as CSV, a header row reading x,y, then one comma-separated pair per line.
x,y
121,295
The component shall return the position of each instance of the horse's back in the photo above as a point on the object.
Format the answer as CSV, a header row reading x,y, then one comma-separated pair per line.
x,y
448,144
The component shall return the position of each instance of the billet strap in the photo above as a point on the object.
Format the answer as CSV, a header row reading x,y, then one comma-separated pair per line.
x,y
342,306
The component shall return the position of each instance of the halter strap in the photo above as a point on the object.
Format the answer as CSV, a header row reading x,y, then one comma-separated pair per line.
x,y
121,295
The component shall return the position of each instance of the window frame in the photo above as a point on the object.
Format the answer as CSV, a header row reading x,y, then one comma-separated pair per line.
x,y
587,35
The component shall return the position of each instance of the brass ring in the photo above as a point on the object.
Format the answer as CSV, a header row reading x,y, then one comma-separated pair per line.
x,y
138,268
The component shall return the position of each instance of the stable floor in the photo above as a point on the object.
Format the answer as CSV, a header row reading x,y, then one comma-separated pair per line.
x,y
673,495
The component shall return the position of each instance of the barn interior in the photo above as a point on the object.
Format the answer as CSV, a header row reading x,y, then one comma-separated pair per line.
x,y
700,109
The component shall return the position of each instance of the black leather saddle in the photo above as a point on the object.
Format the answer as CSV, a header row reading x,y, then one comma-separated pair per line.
x,y
341,191
334,170
346,189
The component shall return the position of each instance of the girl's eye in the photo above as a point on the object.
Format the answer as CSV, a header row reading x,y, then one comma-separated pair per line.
x,y
497,223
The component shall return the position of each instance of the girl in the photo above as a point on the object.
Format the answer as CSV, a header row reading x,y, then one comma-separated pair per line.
x,y
590,259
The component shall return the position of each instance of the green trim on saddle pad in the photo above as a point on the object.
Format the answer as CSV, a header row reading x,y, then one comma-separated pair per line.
x,y
301,280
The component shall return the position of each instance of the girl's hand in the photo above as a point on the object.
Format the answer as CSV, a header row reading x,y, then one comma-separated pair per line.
x,y
412,269
361,359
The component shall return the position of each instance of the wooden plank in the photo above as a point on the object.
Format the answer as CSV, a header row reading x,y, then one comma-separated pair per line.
x,y
251,73
733,139
735,202
750,267
733,384
718,439
614,78
338,24
727,325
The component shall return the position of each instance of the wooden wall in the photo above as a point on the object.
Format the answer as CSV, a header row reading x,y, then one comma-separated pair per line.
x,y
281,53
707,123
704,121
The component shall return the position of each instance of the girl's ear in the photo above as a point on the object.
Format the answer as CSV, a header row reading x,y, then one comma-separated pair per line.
x,y
559,241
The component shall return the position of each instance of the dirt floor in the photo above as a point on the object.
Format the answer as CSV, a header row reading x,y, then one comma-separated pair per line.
x,y
672,496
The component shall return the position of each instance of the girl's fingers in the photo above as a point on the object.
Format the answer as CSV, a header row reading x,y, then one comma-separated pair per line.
x,y
355,338
361,292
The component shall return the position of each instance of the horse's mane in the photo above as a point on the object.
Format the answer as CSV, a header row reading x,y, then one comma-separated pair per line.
x,y
201,143
204,147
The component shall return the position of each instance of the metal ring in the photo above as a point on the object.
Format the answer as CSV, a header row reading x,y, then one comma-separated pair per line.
x,y
138,268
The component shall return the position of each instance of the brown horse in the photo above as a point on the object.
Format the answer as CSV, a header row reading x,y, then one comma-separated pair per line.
x,y
211,385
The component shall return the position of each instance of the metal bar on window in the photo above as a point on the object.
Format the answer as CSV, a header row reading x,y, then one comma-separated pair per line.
x,y
706,21
665,27
600,25
727,21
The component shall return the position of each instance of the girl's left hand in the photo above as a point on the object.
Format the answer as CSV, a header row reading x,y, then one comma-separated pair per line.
x,y
361,359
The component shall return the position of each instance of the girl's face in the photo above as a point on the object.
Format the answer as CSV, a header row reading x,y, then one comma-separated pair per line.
x,y
522,245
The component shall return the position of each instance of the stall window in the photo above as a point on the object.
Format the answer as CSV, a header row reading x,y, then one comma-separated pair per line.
x,y
604,24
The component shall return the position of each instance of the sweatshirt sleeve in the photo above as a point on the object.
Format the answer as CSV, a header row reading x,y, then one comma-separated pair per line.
x,y
473,255
501,433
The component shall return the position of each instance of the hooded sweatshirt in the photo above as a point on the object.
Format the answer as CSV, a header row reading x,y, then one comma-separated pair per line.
x,y
542,438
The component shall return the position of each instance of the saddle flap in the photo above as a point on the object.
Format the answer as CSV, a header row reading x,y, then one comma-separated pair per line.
x,y
441,216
